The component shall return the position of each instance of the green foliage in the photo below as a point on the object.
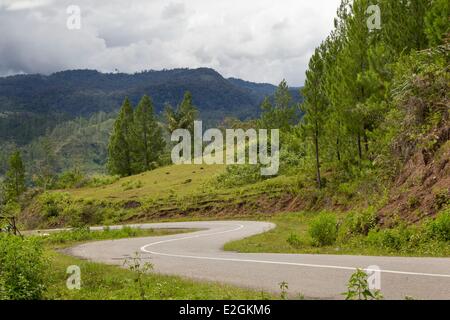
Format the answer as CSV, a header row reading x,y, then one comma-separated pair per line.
x,y
69,179
280,115
323,229
136,144
400,240
239,175
105,282
183,117
437,22
149,143
439,229
358,288
14,184
22,268
442,199
284,287
357,223
121,142
294,240
99,180
315,104
139,268
82,234
53,203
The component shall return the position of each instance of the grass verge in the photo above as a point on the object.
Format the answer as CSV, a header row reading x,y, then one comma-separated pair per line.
x,y
292,236
104,282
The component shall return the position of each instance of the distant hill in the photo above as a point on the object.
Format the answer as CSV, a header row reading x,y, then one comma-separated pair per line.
x,y
69,114
31,105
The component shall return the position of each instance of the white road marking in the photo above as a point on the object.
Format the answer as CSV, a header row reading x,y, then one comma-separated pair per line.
x,y
240,227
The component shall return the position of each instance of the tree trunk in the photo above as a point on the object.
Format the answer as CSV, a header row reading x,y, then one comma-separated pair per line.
x,y
338,150
316,143
359,147
366,143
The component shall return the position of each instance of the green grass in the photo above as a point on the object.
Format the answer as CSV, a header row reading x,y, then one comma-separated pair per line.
x,y
104,282
169,192
291,236
179,180
71,237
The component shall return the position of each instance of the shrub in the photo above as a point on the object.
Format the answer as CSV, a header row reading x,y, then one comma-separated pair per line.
x,y
294,240
385,238
239,175
439,228
400,238
358,288
98,181
53,203
22,267
442,199
69,179
358,223
323,229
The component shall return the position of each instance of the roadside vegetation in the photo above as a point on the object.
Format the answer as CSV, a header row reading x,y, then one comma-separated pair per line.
x,y
33,268
354,233
364,158
83,234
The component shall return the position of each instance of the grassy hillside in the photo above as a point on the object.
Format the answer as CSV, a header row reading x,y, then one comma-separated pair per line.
x,y
181,180
170,192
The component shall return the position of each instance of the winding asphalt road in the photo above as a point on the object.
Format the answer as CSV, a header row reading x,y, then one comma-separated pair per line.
x,y
199,256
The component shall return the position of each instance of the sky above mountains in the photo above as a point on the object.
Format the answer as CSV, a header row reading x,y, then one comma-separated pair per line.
x,y
261,41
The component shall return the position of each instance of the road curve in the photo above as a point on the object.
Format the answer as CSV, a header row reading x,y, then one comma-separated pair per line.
x,y
199,256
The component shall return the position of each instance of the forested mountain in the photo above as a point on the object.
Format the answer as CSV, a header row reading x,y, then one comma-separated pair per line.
x,y
30,105
65,119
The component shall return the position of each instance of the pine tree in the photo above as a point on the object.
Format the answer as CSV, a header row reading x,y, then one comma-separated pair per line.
x,y
403,26
281,114
437,22
183,117
148,137
315,104
14,183
121,141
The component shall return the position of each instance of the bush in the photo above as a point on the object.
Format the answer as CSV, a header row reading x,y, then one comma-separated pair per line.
x,y
439,229
323,229
68,179
294,241
22,267
239,175
53,203
358,223
401,238
98,181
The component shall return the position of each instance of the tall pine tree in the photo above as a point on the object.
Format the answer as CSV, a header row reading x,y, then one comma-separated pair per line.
x,y
149,142
315,104
14,183
183,117
120,148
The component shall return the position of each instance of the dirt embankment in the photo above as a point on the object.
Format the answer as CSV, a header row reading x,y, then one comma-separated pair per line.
x,y
422,188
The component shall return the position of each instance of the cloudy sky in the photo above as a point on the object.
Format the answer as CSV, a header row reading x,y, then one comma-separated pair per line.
x,y
256,40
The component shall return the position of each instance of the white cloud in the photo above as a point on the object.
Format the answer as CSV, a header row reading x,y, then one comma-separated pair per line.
x,y
262,41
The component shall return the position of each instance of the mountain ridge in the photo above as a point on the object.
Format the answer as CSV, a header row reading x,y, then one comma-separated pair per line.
x,y
43,101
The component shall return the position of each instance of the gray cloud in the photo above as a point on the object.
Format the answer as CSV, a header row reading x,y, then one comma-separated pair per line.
x,y
262,41
173,10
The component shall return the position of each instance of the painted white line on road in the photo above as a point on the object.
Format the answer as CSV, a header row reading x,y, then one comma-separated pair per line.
x,y
240,227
